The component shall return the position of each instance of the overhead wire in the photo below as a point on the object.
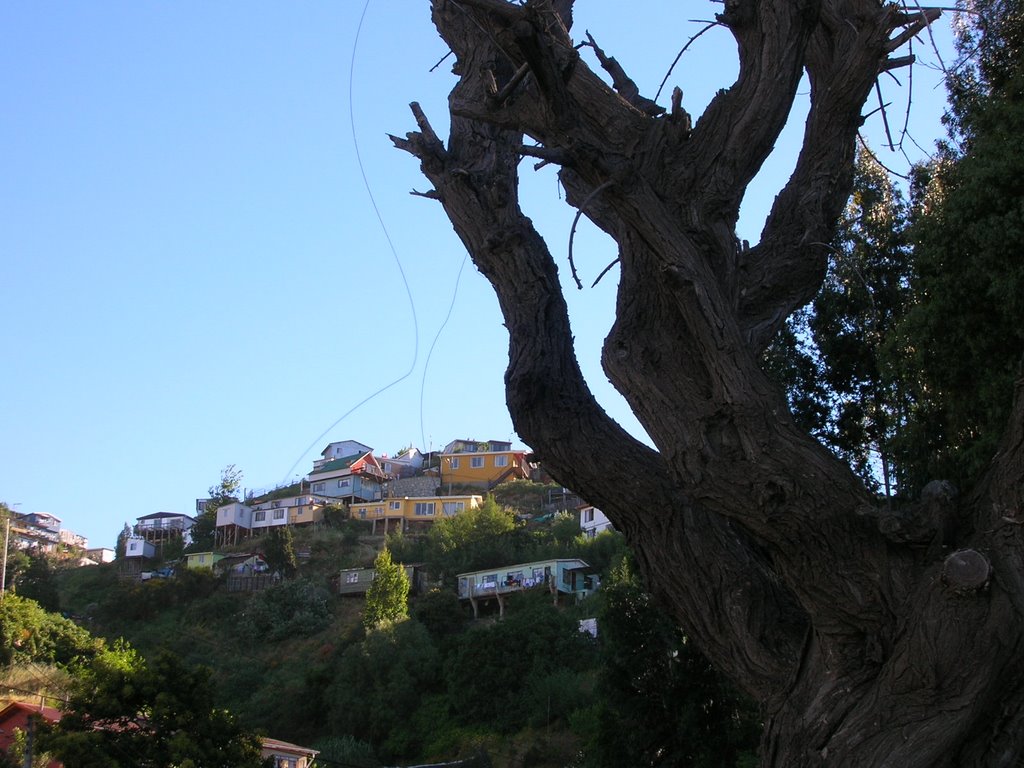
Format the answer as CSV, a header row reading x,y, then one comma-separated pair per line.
x,y
401,270
391,247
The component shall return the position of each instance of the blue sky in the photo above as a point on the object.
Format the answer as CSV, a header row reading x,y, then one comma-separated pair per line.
x,y
200,269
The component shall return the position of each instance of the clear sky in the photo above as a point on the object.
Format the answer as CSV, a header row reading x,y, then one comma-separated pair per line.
x,y
209,256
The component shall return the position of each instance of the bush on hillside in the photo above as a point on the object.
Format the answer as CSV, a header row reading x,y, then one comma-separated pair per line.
x,y
30,634
292,608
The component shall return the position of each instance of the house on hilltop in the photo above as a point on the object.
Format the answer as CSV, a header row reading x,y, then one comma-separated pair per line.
x,y
35,530
408,463
348,472
484,464
237,521
137,556
160,528
411,513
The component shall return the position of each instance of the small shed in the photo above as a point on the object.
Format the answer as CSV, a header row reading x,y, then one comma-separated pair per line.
x,y
356,581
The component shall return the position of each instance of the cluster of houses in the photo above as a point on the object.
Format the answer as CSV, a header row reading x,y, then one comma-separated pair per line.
x,y
43,532
403,493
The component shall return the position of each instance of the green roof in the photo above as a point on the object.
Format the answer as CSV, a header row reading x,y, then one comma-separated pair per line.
x,y
342,463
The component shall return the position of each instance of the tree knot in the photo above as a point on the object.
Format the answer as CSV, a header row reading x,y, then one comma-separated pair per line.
x,y
966,571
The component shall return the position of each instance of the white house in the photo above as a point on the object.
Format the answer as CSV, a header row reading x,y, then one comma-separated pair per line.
x,y
593,521
292,510
405,464
341,450
100,554
136,546
347,477
234,522
161,527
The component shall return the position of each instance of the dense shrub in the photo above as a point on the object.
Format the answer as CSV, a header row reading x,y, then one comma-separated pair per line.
x,y
292,608
30,634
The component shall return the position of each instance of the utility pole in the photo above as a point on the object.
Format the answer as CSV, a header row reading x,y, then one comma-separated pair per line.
x,y
29,741
3,570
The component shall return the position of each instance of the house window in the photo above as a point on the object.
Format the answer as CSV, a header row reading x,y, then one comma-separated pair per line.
x,y
279,514
394,505
379,511
452,507
318,487
455,463
588,515
202,558
362,514
476,462
501,461
285,762
261,515
344,483
352,578
424,508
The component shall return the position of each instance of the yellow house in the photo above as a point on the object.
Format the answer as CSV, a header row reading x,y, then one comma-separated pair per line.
x,y
411,512
482,463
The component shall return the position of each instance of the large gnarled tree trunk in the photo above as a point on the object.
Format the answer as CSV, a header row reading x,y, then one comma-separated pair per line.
x,y
870,638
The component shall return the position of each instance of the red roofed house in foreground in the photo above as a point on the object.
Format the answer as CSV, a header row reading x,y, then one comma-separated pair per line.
x,y
288,755
19,716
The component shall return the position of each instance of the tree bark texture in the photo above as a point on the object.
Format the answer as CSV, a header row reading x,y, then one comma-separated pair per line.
x,y
870,638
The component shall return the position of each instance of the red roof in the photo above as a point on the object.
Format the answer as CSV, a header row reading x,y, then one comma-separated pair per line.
x,y
275,745
16,715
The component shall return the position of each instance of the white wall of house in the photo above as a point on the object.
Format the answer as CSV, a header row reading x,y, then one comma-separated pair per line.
x,y
100,554
593,521
343,448
136,547
235,513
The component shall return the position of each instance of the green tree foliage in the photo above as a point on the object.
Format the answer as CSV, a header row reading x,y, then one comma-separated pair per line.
x,y
474,538
529,668
524,496
834,355
135,714
379,685
28,633
440,613
18,752
346,751
658,701
226,491
965,332
37,582
17,560
387,599
122,541
291,609
279,551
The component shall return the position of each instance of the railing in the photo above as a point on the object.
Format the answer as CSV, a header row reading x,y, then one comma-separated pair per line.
x,y
161,525
490,588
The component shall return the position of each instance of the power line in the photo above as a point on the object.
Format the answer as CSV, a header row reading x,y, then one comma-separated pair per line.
x,y
391,247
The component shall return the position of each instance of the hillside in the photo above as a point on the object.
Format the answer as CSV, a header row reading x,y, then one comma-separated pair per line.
x,y
294,662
